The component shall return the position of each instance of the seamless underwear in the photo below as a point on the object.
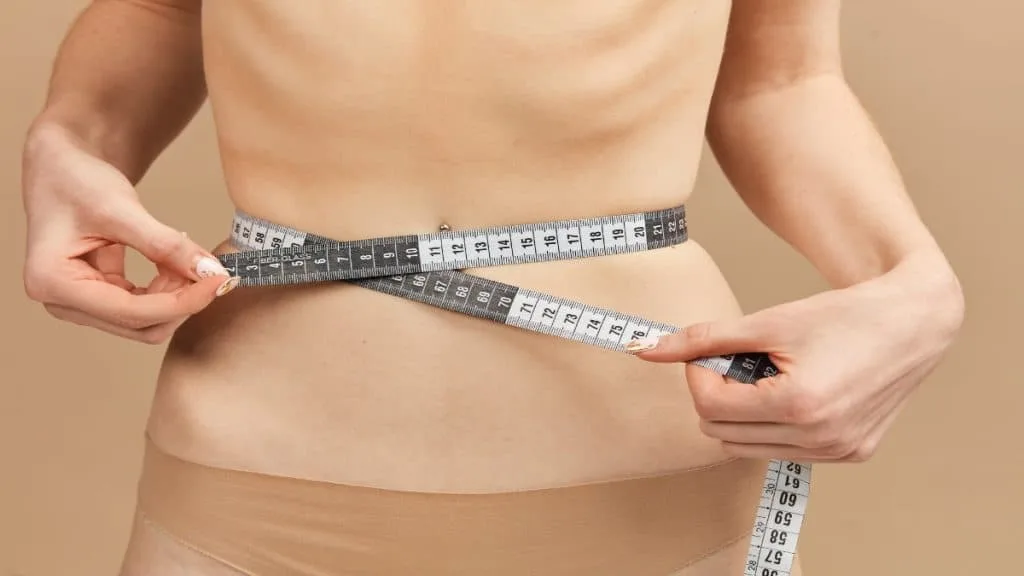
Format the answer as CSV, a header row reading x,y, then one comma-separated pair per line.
x,y
263,525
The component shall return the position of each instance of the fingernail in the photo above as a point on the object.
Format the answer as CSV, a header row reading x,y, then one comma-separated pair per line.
x,y
642,344
228,285
207,267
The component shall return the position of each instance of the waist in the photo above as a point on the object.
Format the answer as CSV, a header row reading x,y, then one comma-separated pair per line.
x,y
389,197
349,384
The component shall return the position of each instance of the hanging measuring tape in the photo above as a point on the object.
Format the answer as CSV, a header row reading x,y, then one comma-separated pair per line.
x,y
427,268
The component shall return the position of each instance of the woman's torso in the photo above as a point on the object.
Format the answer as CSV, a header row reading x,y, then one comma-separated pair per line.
x,y
363,119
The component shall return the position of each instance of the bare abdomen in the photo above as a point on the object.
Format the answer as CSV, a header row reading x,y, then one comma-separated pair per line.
x,y
341,383
355,120
481,113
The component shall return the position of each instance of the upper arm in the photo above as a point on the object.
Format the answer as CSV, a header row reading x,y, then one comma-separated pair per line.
x,y
775,43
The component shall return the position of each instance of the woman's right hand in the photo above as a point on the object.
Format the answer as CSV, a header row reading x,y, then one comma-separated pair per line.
x,y
82,213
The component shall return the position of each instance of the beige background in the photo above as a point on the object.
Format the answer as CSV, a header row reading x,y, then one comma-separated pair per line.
x,y
944,495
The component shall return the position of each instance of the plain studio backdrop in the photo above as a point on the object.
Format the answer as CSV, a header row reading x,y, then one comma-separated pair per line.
x,y
944,80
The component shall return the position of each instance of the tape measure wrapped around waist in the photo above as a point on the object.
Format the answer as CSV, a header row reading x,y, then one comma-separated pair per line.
x,y
428,268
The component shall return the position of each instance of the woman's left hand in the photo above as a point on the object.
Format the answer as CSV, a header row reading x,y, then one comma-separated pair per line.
x,y
848,361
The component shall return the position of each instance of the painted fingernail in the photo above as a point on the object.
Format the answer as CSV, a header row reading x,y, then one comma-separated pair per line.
x,y
207,267
642,344
228,285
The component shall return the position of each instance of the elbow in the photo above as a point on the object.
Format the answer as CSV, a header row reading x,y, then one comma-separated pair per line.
x,y
949,309
189,8
950,301
724,111
941,290
956,303
724,132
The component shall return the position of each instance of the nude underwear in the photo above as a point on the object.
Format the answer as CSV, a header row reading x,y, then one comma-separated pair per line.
x,y
264,525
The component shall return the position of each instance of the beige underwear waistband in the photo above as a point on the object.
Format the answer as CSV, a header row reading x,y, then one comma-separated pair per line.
x,y
268,525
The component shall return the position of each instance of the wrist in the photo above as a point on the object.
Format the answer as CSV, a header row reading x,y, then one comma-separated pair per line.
x,y
66,123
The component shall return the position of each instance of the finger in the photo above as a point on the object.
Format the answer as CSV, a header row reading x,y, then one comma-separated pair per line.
x,y
868,447
109,262
775,452
751,433
133,226
167,281
137,311
856,446
825,438
746,334
858,443
120,282
151,335
108,259
836,429
718,398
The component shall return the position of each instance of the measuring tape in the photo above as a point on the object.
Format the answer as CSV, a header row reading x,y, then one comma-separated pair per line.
x,y
427,268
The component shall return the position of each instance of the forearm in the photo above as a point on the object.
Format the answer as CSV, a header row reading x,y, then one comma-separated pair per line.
x,y
126,81
808,162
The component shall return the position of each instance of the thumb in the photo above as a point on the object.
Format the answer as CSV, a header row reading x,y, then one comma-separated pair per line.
x,y
164,246
745,334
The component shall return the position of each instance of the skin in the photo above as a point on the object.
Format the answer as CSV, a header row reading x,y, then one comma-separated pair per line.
x,y
330,114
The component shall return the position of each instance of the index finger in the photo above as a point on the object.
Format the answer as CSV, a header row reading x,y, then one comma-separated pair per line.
x,y
117,306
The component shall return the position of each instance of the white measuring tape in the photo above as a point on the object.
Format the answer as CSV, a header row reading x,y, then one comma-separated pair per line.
x,y
427,268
